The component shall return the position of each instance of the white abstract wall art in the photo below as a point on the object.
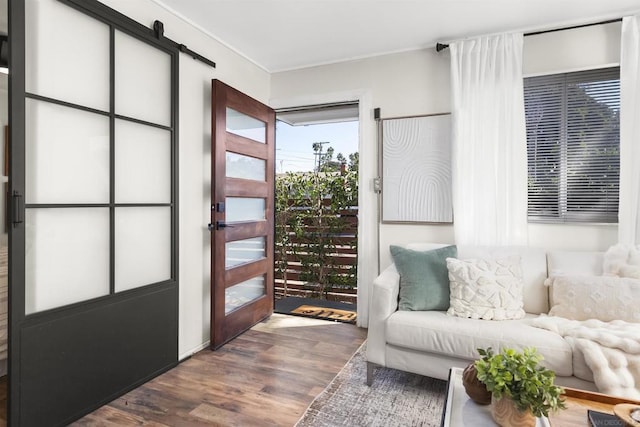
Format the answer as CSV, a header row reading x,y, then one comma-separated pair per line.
x,y
416,169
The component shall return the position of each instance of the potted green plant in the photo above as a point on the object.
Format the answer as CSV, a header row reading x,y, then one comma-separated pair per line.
x,y
516,379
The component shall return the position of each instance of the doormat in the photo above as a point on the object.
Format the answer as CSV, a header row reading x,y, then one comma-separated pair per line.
x,y
326,313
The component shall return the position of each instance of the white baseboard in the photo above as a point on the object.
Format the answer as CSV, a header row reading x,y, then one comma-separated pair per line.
x,y
193,351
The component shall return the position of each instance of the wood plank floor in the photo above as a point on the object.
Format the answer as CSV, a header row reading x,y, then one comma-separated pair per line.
x,y
265,377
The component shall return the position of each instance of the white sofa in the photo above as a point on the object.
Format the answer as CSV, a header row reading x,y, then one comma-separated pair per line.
x,y
431,342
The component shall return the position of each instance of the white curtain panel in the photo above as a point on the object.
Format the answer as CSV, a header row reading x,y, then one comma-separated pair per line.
x,y
629,208
489,155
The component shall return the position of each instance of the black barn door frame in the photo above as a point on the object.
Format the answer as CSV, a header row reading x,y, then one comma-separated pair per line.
x,y
135,330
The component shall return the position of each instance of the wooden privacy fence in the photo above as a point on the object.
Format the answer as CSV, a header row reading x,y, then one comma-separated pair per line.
x,y
316,252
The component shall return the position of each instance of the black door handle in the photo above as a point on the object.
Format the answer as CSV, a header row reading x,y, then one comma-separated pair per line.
x,y
18,209
219,225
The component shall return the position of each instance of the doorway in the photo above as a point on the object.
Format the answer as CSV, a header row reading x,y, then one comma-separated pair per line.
x,y
317,211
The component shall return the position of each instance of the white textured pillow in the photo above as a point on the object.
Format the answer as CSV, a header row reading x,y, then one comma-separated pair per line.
x,y
605,298
486,288
623,261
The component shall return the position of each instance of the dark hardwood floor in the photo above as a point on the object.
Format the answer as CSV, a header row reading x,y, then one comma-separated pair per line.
x,y
265,377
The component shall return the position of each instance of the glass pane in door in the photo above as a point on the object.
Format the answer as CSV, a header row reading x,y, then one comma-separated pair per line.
x,y
142,163
243,251
71,66
246,126
142,81
245,167
67,154
143,246
243,293
67,256
241,209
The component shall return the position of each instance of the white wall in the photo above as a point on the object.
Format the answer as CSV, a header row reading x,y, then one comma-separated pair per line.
x,y
401,84
195,155
418,82
572,50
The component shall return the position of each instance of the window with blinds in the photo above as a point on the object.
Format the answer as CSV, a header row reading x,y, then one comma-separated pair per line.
x,y
573,146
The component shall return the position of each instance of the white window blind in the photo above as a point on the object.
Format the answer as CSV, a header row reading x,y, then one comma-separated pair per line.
x,y
573,146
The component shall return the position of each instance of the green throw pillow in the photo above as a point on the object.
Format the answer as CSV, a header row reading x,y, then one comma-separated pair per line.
x,y
424,278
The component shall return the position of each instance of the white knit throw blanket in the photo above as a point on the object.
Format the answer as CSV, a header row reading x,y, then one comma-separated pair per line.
x,y
611,350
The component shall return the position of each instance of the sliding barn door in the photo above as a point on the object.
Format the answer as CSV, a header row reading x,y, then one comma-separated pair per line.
x,y
93,232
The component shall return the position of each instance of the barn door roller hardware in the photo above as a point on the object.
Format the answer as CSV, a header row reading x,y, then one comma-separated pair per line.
x,y
158,29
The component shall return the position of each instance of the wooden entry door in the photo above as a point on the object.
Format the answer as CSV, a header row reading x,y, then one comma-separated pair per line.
x,y
242,212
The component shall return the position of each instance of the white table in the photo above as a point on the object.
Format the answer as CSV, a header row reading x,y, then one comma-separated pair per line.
x,y
461,411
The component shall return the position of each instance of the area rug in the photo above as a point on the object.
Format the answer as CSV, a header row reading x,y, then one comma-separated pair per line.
x,y
395,398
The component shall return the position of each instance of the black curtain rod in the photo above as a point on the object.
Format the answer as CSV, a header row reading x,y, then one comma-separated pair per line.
x,y
442,46
158,29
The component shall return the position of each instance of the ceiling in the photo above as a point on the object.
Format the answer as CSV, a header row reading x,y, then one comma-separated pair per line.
x,y
288,34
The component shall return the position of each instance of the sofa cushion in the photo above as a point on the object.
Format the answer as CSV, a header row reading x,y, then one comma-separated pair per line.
x,y
605,298
436,332
486,289
424,281
562,263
